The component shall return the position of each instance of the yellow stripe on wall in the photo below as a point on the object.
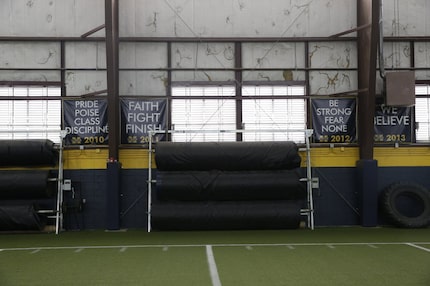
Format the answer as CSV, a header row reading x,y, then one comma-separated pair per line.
x,y
404,156
97,159
320,157
135,158
386,156
85,159
332,157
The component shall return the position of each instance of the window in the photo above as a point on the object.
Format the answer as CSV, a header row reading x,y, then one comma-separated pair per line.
x,y
269,113
26,118
422,112
201,109
282,110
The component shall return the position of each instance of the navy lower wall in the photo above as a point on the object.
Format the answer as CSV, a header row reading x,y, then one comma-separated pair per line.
x,y
89,185
336,202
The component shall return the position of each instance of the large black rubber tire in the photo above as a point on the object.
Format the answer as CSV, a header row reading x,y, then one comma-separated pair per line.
x,y
418,193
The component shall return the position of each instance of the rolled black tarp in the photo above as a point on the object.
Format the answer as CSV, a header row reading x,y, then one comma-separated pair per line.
x,y
25,184
229,185
28,152
226,215
229,156
19,216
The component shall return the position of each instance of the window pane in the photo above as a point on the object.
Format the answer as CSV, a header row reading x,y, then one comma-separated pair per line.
x,y
422,109
30,119
273,119
203,116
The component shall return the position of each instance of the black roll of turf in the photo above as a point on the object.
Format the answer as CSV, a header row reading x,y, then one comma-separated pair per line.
x,y
28,184
229,156
229,185
226,215
29,152
19,216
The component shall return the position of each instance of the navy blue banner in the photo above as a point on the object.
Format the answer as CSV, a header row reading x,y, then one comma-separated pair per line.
x,y
334,120
141,116
86,122
393,124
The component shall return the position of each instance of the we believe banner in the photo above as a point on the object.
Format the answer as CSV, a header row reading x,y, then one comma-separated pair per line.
x,y
393,124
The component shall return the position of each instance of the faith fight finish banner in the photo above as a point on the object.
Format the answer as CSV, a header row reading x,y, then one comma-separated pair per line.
x,y
334,120
139,117
393,124
86,122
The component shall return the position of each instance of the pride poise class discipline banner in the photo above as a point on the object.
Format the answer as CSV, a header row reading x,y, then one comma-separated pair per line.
x,y
86,122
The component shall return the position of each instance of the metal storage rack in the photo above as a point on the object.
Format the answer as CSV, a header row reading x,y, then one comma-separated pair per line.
x,y
308,211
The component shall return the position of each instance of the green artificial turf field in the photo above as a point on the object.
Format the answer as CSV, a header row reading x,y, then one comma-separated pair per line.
x,y
324,256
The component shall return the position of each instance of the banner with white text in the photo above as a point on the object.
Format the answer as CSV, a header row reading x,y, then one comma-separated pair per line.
x,y
333,120
141,116
393,124
86,122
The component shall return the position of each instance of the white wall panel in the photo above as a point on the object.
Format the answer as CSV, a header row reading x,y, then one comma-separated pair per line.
x,y
142,83
203,55
207,18
83,82
278,75
397,55
406,18
273,55
10,75
50,18
85,55
142,55
25,55
203,76
422,60
236,18
333,55
330,82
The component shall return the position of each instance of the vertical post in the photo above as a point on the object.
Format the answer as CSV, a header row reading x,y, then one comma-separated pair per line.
x,y
63,68
238,81
367,181
310,204
113,166
367,12
168,85
113,177
59,209
112,59
149,180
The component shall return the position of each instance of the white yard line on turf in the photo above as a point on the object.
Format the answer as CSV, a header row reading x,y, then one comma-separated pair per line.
x,y
218,245
212,266
419,247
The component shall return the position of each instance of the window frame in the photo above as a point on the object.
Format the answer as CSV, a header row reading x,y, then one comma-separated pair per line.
x,y
422,91
238,96
29,124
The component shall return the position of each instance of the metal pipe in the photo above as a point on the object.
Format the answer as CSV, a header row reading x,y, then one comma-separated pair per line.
x,y
381,42
112,59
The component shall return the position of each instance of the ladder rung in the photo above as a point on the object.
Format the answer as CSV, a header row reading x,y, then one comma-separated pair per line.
x,y
46,211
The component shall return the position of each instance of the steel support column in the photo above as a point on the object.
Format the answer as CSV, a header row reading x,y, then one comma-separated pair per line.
x,y
113,169
367,167
112,59
368,12
238,84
